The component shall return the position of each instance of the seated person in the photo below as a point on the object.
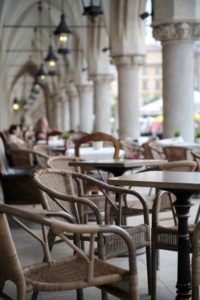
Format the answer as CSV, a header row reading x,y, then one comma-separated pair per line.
x,y
15,135
41,129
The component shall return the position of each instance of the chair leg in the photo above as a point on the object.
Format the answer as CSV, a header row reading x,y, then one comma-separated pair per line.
x,y
154,273
34,295
79,294
149,275
195,293
104,295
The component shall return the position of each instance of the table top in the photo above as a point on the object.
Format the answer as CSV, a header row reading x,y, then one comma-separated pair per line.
x,y
117,163
160,179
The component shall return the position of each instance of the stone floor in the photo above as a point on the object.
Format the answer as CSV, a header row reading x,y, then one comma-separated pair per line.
x,y
28,253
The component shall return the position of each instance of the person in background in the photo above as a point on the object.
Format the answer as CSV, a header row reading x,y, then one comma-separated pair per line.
x,y
41,129
15,135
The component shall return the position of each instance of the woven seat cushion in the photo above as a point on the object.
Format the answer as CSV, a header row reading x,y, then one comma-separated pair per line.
x,y
167,237
69,274
115,246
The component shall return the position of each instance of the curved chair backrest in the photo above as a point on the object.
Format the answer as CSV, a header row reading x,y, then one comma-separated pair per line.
x,y
174,153
181,165
196,157
97,137
62,163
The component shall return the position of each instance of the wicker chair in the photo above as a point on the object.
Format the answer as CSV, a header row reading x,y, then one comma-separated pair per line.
x,y
53,274
108,141
56,184
174,153
196,157
196,262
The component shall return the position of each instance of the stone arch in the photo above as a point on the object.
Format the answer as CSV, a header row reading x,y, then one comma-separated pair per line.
x,y
31,68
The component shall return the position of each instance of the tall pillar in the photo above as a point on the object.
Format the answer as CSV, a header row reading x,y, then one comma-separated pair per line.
x,y
74,110
178,85
58,120
86,107
65,114
102,102
128,94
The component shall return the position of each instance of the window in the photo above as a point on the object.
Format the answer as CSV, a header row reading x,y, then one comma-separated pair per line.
x,y
145,85
144,71
157,84
157,70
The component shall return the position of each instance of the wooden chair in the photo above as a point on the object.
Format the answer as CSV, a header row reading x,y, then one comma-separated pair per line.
x,y
196,262
72,272
174,153
17,183
107,139
57,184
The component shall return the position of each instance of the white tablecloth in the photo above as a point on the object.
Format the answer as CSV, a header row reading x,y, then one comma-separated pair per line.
x,y
89,153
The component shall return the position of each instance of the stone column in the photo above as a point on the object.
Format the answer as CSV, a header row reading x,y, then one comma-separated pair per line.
x,y
74,110
128,94
86,107
178,103
58,120
102,102
65,114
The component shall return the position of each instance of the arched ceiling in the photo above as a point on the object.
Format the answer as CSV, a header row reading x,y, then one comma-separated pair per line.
x,y
18,20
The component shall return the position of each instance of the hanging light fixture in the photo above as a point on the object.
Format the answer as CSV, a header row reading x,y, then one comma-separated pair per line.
x,y
35,87
92,8
51,58
15,104
62,33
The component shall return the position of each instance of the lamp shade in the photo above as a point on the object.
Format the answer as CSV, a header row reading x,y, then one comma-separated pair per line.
x,y
62,33
41,75
51,60
92,8
15,105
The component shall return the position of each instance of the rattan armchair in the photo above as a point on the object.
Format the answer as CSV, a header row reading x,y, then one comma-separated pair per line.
x,y
60,274
175,153
196,157
57,184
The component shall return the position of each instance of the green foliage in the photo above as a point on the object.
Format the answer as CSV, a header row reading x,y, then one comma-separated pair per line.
x,y
177,133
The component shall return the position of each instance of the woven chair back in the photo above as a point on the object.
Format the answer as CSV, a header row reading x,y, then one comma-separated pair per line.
x,y
174,153
60,182
62,163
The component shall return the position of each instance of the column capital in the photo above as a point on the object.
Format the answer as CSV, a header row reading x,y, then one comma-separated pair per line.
x,y
84,87
177,31
129,59
102,77
72,93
